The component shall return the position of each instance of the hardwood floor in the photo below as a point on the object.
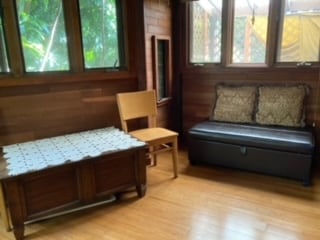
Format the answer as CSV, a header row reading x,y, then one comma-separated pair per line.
x,y
202,203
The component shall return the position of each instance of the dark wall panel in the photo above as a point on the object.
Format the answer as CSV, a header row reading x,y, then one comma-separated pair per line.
x,y
59,108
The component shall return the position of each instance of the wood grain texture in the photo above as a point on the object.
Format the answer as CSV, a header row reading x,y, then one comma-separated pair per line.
x,y
58,109
157,18
69,186
203,203
37,105
198,89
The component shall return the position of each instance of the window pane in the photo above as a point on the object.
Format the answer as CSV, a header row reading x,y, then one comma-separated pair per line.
x,y
205,31
4,66
43,35
300,31
250,31
100,36
163,68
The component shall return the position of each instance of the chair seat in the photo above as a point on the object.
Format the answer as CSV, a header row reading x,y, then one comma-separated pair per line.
x,y
153,135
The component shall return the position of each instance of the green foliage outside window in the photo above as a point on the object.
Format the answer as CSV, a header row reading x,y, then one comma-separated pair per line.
x,y
43,35
4,66
99,24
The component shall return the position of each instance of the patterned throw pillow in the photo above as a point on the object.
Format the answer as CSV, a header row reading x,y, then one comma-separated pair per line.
x,y
281,105
234,104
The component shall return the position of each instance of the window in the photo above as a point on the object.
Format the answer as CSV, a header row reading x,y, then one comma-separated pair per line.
x,y
43,35
4,66
252,32
61,36
250,25
161,66
205,31
101,33
300,31
162,69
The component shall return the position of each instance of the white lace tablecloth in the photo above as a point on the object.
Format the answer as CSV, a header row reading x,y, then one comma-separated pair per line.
x,y
43,153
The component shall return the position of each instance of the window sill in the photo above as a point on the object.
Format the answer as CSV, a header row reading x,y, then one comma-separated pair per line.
x,y
164,101
31,79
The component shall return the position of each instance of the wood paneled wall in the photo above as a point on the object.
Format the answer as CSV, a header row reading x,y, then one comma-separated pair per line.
x,y
34,106
198,91
196,84
157,17
42,105
33,112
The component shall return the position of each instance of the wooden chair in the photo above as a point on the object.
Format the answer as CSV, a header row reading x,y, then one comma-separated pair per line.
x,y
142,104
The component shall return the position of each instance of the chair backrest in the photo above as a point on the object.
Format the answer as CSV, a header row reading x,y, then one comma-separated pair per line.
x,y
134,105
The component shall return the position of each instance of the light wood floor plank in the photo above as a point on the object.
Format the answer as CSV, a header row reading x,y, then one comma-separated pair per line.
x,y
202,203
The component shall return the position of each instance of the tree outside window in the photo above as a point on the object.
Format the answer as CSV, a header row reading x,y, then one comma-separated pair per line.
x,y
44,38
100,24
43,35
4,66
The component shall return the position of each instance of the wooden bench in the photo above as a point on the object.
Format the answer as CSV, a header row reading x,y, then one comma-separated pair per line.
x,y
49,176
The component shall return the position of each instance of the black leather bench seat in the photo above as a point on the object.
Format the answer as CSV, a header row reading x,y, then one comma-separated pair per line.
x,y
280,151
278,138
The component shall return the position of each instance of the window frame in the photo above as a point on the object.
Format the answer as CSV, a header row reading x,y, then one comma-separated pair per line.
x,y
121,40
168,70
272,40
4,61
190,45
24,52
74,44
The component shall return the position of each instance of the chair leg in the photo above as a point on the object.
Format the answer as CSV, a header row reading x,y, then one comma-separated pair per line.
x,y
153,156
155,160
175,157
